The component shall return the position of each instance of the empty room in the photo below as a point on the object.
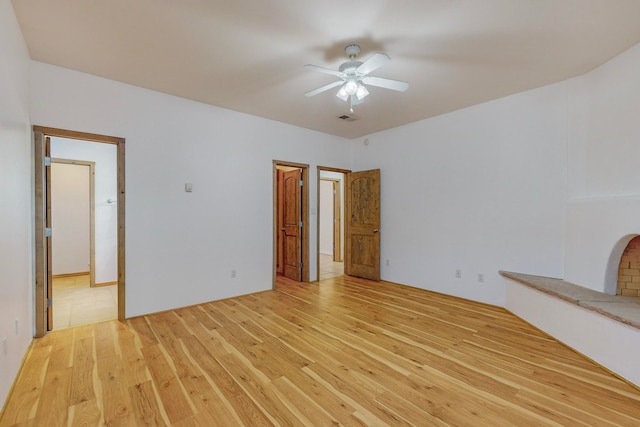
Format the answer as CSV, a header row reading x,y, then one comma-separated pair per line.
x,y
377,213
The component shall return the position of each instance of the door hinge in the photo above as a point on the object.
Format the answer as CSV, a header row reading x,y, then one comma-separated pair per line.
x,y
49,303
300,265
47,232
47,161
300,224
301,183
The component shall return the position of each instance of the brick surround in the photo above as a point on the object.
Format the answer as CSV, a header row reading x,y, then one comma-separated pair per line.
x,y
629,270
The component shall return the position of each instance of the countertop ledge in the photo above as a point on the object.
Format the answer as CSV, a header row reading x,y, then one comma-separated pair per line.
x,y
619,308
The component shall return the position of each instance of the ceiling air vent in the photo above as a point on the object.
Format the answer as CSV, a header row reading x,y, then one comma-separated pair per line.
x,y
347,118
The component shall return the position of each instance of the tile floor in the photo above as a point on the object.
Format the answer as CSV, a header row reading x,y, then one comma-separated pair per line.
x,y
330,269
75,303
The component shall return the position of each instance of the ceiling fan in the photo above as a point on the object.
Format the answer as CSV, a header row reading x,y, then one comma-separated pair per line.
x,y
354,75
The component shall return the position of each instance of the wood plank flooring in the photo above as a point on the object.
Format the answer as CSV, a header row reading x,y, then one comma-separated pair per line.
x,y
343,351
75,303
328,268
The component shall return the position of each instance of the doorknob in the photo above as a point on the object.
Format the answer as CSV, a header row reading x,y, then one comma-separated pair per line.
x,y
375,230
282,229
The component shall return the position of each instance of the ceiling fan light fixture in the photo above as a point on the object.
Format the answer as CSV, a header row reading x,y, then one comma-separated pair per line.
x,y
351,86
361,92
342,93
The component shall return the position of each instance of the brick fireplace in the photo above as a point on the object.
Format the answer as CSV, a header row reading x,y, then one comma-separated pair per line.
x,y
629,270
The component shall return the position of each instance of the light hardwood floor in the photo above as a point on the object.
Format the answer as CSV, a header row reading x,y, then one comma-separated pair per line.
x,y
75,303
329,269
343,351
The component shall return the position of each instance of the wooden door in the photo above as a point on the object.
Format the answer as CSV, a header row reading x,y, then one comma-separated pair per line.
x,y
362,243
292,221
49,275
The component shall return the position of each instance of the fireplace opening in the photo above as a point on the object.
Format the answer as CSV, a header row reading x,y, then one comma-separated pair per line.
x,y
629,270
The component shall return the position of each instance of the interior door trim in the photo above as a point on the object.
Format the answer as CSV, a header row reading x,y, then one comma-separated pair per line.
x,y
305,217
40,261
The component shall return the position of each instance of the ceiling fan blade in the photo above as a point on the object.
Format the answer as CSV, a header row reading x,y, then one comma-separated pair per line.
x,y
374,62
324,70
386,83
324,88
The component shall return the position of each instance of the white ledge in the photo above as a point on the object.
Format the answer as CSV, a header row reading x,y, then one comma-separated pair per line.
x,y
622,309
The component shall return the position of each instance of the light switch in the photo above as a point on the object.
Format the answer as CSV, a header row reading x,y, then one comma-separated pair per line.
x,y
188,187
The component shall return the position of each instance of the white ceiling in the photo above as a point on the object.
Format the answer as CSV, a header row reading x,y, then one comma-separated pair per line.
x,y
249,55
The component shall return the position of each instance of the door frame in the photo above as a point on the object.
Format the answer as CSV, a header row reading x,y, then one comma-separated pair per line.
x,y
92,211
42,267
304,244
345,172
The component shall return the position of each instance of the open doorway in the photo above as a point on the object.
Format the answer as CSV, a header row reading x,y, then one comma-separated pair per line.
x,y
330,222
84,232
290,221
87,235
361,220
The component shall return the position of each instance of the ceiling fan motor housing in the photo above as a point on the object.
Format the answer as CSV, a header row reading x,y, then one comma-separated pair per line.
x,y
352,50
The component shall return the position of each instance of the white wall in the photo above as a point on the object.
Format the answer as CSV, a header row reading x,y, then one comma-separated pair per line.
x,y
479,190
181,247
106,185
70,218
603,175
603,213
16,270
